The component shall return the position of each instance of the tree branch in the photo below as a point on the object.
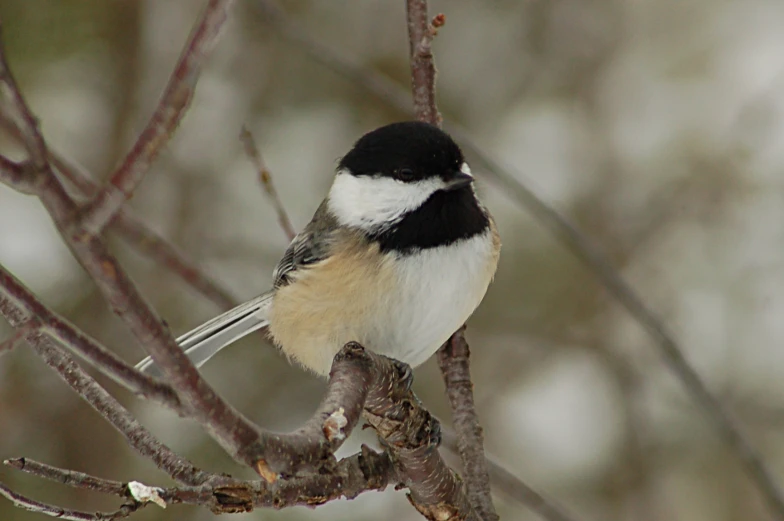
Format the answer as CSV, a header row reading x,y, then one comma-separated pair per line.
x,y
411,435
170,111
362,472
453,361
227,426
19,176
31,505
423,70
266,181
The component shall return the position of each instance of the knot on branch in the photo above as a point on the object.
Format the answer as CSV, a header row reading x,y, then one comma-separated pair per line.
x,y
232,499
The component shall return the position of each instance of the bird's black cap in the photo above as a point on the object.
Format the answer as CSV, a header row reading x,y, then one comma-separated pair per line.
x,y
409,150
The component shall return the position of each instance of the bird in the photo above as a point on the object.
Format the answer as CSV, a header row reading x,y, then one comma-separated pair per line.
x,y
397,257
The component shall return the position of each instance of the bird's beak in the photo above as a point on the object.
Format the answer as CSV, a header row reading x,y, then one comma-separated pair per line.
x,y
458,180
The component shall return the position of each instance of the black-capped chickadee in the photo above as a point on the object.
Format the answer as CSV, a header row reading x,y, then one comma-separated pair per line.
x,y
396,258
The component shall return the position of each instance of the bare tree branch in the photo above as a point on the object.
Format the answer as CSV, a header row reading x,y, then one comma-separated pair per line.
x,y
67,477
229,428
61,513
171,109
364,471
18,175
266,181
453,361
423,70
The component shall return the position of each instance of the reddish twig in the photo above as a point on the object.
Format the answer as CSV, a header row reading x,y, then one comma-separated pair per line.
x,y
423,71
453,361
170,111
266,181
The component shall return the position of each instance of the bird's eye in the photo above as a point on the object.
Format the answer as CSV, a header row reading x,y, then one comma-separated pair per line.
x,y
405,174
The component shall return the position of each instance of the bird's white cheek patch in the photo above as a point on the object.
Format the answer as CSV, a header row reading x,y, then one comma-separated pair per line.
x,y
369,202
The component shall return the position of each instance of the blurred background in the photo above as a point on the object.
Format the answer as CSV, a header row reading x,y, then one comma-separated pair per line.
x,y
657,126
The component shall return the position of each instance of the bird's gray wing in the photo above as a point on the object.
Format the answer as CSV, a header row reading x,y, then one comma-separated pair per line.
x,y
204,342
308,247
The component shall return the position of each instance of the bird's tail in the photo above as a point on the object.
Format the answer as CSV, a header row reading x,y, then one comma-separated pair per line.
x,y
205,341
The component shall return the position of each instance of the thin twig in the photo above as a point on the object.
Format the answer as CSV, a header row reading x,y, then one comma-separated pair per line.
x,y
167,116
423,70
453,361
396,96
266,181
31,505
70,478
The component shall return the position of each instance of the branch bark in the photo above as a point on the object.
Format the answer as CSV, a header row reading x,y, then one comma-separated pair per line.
x,y
423,71
412,435
453,361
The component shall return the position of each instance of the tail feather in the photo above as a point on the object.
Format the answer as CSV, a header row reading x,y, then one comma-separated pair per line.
x,y
205,341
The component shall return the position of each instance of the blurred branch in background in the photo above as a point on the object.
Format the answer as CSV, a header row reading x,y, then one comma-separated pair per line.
x,y
265,178
174,103
127,225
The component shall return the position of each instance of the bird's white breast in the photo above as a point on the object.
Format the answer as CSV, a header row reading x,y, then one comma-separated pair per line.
x,y
437,290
